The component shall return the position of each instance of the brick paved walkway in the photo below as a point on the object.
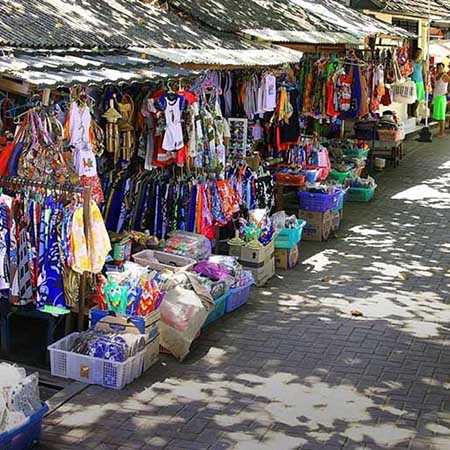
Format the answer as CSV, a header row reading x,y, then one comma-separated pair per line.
x,y
293,369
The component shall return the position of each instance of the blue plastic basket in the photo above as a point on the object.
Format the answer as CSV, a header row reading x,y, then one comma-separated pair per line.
x,y
219,309
290,237
318,201
237,297
27,435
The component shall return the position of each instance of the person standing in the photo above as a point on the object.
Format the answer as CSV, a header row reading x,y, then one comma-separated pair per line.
x,y
418,75
440,97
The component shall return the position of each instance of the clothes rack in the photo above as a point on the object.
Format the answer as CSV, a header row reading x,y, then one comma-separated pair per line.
x,y
20,183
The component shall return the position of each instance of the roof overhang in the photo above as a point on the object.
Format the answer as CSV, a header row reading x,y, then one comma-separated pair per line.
x,y
55,71
304,37
269,56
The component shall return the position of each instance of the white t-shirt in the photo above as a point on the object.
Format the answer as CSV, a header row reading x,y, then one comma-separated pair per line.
x,y
270,93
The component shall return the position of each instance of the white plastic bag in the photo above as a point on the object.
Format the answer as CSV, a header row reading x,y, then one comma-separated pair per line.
x,y
405,92
183,313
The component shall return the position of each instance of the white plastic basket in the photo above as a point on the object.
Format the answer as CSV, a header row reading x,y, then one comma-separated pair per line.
x,y
109,374
163,261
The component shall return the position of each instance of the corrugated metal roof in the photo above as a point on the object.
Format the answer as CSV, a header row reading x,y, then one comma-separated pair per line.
x,y
413,8
348,19
103,24
269,56
66,70
286,17
306,37
417,8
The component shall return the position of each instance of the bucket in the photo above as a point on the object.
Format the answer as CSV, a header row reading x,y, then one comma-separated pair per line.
x,y
311,176
380,163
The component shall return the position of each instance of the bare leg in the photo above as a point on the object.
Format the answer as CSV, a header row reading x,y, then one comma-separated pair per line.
x,y
441,128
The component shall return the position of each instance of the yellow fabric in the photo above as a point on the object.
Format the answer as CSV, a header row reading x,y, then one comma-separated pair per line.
x,y
89,256
285,109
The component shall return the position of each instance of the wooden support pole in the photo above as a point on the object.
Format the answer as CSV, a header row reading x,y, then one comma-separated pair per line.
x,y
87,194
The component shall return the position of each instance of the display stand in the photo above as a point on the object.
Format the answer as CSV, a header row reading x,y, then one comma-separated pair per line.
x,y
393,151
15,184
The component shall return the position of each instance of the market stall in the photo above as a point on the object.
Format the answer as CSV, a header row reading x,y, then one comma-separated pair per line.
x,y
150,198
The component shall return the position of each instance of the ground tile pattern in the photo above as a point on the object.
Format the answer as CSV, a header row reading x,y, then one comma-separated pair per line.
x,y
294,369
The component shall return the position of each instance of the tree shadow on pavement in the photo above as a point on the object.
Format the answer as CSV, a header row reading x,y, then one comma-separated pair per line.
x,y
294,368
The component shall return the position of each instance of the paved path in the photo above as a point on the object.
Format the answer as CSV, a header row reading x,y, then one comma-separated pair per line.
x,y
293,369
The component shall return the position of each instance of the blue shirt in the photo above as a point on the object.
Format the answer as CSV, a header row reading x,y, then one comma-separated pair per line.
x,y
417,74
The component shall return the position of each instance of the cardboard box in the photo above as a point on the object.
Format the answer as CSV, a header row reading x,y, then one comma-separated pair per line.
x,y
252,257
318,225
335,221
148,326
263,274
286,259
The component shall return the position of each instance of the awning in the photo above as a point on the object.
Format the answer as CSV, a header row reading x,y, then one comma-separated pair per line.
x,y
52,71
349,20
269,56
440,49
304,37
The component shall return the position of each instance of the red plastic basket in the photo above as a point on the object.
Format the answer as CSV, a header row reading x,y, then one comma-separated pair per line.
x,y
290,179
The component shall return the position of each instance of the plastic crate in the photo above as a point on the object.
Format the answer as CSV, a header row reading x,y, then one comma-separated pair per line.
x,y
361,153
164,261
219,309
290,237
109,374
360,194
25,436
318,201
288,179
340,177
237,297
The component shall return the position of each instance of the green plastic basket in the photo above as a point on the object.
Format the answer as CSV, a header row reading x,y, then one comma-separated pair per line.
x,y
340,177
356,153
360,194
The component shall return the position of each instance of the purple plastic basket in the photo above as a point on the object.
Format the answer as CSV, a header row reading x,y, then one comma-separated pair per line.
x,y
237,298
27,435
318,201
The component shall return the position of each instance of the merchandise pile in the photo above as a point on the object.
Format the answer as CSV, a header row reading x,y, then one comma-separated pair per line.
x,y
19,400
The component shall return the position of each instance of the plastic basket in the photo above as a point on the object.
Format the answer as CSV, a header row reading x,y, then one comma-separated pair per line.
x,y
290,237
360,194
237,297
340,177
163,261
25,436
219,309
361,153
318,201
109,374
288,179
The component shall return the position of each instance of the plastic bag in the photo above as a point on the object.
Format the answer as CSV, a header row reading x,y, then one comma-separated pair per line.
x,y
183,313
187,244
279,220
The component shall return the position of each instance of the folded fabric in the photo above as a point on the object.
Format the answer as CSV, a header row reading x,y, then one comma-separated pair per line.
x,y
211,270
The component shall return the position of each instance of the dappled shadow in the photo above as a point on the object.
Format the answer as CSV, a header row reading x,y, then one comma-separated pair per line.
x,y
96,23
293,368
